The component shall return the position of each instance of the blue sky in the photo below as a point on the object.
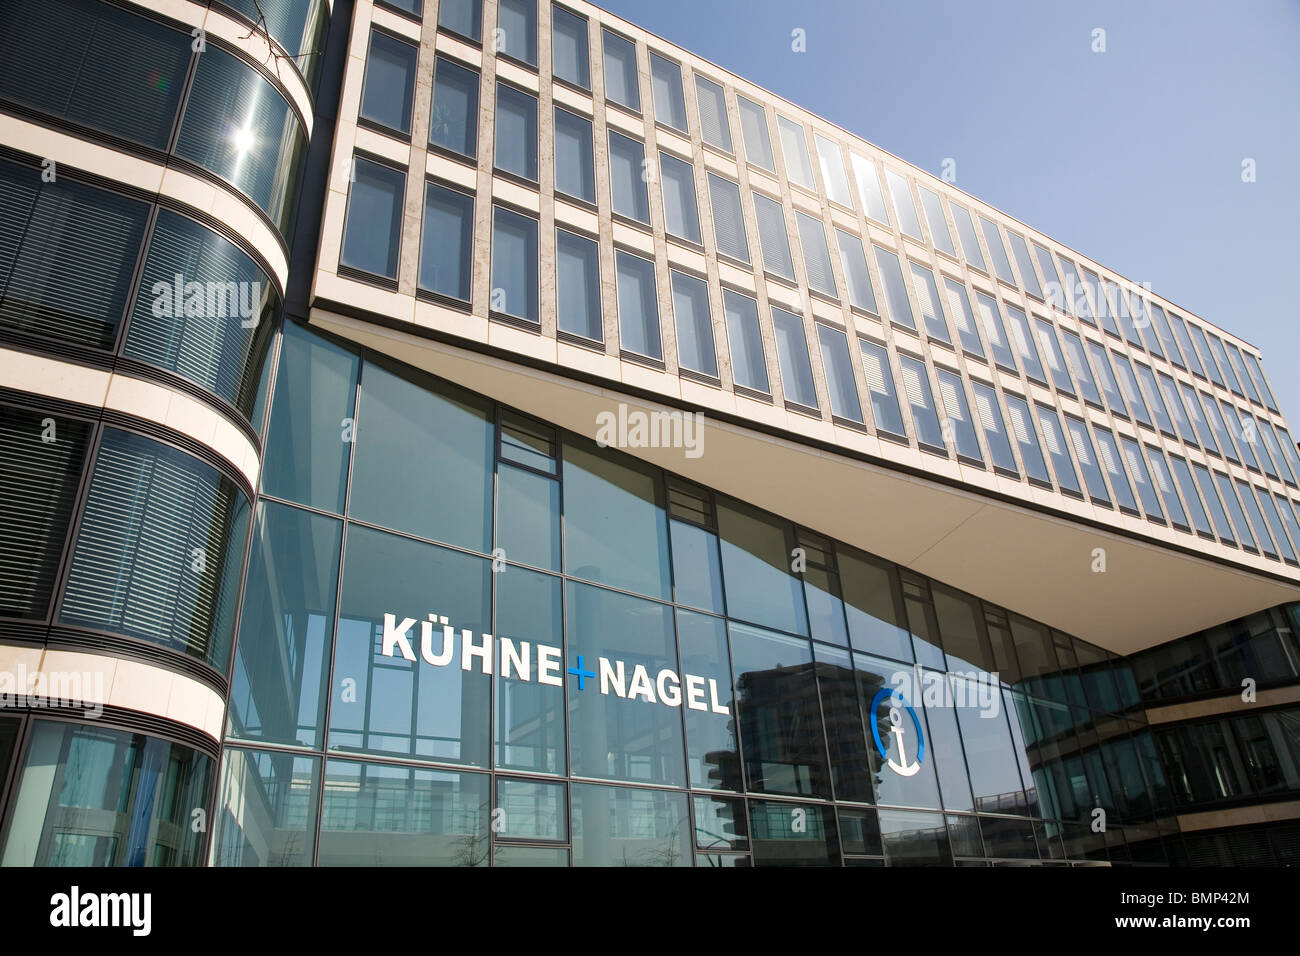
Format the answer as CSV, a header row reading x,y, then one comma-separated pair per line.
x,y
1132,156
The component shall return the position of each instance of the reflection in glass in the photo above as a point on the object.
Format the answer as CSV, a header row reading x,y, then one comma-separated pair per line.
x,y
625,826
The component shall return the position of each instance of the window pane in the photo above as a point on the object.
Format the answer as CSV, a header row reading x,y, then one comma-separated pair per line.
x,y
697,563
995,430
681,215
795,148
993,239
517,21
816,257
792,349
621,84
1257,374
626,180
462,16
574,170
632,735
577,285
1154,400
624,826
772,237
958,414
925,418
1145,487
1088,461
1244,533
187,503
970,245
268,809
694,324
1054,292
454,123
728,220
748,364
1269,509
901,192
1022,427
1242,431
1101,365
1113,464
390,82
1021,251
712,749
1094,288
1200,520
1076,301
880,384
1054,438
1169,392
1220,356
934,216
1051,350
832,163
446,241
429,427
569,57
1024,343
1289,521
927,296
1164,483
1215,505
856,275
373,234
873,200
1129,386
1251,504
528,516
1185,344
516,132
756,558
1077,363
638,305
753,126
991,318
514,264
900,309
715,127
846,735
1211,369
878,683
839,373
670,101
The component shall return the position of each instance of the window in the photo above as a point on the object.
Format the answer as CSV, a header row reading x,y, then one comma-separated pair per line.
x,y
1240,374
873,200
621,82
1101,366
1088,461
1183,474
1165,334
1217,425
1203,432
681,215
1111,462
839,373
694,324
1129,386
1022,426
772,237
626,184
816,257
1131,316
638,305
569,57
1154,400
577,286
1020,250
389,83
958,414
1161,480
1251,505
856,275
970,244
832,164
1268,508
933,207
796,366
446,242
925,417
748,364
927,297
1077,362
1212,501
1185,344
795,147
1098,292
1242,433
728,219
1271,452
959,305
1211,369
1289,520
670,101
1066,477
514,264
464,17
575,173
1024,341
1229,373
901,192
1055,360
373,232
900,309
1076,301
880,385
993,239
1292,455
753,128
991,317
1244,534
454,123
1169,392
715,127
1257,374
1054,293
516,132
517,23
995,430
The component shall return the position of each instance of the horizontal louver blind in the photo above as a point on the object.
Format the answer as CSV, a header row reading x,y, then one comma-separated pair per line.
x,y
71,273
19,186
714,127
203,310
728,221
159,549
817,260
38,488
772,237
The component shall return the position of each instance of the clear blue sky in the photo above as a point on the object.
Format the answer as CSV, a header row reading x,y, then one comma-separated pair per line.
x,y
1132,156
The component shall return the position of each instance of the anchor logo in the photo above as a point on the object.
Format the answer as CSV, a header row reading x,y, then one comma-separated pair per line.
x,y
901,766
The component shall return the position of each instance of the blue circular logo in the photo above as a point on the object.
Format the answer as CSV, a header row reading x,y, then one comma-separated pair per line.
x,y
902,767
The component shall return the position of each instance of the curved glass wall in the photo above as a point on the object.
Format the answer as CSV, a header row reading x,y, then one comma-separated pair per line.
x,y
95,796
297,25
194,304
235,124
682,678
